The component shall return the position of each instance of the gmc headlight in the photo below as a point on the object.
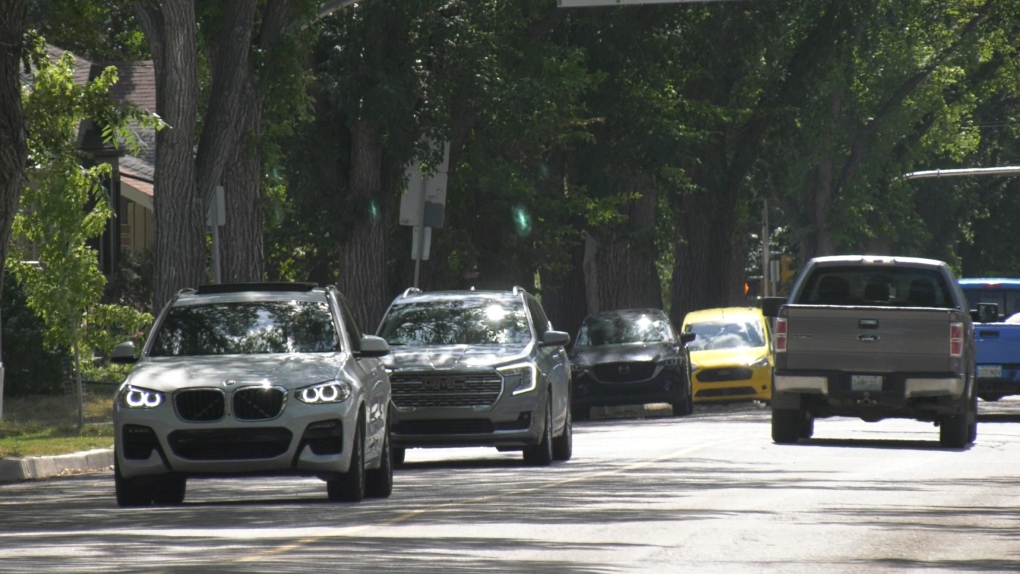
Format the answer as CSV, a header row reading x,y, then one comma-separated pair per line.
x,y
521,378
331,392
138,398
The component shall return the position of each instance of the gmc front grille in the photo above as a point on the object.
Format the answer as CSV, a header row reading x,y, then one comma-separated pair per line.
x,y
445,390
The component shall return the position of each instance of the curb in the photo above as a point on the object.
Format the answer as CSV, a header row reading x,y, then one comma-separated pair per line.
x,y
36,467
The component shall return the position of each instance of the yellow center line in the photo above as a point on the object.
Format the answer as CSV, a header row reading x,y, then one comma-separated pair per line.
x,y
487,498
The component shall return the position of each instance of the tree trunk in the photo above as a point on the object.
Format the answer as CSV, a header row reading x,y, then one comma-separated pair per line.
x,y
563,297
362,257
242,251
620,266
13,144
178,210
703,271
243,239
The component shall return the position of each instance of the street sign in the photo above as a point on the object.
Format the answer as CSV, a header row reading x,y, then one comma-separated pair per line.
x,y
424,202
590,3
419,250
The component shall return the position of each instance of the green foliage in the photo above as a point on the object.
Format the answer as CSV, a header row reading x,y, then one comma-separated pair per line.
x,y
98,30
30,366
65,206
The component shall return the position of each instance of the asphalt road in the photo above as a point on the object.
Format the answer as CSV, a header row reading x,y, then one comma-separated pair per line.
x,y
706,493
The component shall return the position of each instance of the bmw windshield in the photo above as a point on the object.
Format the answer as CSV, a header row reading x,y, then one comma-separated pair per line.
x,y
246,328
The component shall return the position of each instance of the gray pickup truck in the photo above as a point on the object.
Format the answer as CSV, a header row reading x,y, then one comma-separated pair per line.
x,y
874,337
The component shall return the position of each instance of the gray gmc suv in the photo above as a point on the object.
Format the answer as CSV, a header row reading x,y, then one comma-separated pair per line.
x,y
477,368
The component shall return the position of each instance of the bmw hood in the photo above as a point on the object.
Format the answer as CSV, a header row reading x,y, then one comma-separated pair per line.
x,y
630,353
452,357
290,371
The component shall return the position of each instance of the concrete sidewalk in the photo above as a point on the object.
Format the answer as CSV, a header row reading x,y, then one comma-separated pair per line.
x,y
36,467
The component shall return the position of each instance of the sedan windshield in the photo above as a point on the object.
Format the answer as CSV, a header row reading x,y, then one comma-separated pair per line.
x,y
246,328
623,329
726,335
471,321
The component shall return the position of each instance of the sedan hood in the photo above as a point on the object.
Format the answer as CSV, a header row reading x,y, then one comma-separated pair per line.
x,y
727,357
629,353
453,357
290,371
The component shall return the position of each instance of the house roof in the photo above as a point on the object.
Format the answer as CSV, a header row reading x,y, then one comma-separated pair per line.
x,y
136,83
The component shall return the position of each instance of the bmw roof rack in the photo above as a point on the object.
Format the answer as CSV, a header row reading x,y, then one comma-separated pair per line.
x,y
255,286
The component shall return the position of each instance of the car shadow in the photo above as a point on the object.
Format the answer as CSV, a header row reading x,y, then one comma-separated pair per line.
x,y
891,444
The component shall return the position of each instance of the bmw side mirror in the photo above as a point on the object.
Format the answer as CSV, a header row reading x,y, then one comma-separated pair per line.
x,y
372,346
124,353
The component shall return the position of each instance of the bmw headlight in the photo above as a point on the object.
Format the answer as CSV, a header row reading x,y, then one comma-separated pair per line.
x,y
762,361
131,397
520,378
322,393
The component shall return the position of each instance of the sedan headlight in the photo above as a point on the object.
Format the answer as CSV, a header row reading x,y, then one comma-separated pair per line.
x,y
322,393
671,361
521,378
131,397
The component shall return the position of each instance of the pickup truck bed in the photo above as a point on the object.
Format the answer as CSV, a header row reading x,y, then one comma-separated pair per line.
x,y
874,353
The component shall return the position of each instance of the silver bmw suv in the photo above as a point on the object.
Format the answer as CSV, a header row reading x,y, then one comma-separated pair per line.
x,y
261,378
478,368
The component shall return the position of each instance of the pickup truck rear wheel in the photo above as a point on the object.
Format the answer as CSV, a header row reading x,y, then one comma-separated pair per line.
x,y
954,431
807,425
787,426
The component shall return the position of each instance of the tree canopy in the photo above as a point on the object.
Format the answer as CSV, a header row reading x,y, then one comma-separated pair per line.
x,y
603,157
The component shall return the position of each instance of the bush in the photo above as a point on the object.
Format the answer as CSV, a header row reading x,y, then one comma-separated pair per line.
x,y
29,367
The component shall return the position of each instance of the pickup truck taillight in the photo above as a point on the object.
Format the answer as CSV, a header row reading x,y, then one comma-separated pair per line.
x,y
780,338
956,339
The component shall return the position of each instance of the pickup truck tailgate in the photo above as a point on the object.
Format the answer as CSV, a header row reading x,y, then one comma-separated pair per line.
x,y
868,339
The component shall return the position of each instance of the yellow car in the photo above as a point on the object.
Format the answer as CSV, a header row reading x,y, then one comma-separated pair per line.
x,y
731,357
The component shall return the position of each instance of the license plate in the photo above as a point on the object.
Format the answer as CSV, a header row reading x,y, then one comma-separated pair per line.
x,y
989,371
866,383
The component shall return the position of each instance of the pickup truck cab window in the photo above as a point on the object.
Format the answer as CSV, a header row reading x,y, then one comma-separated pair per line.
x,y
899,287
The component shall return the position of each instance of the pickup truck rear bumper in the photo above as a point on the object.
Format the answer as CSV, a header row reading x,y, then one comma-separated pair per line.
x,y
906,386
